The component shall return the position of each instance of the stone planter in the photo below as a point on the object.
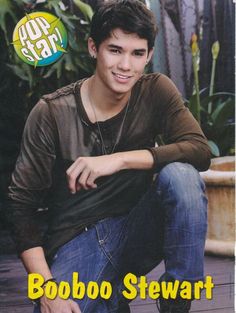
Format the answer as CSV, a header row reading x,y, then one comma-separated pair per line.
x,y
220,183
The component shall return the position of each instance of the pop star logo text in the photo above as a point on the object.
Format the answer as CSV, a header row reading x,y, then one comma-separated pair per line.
x,y
40,39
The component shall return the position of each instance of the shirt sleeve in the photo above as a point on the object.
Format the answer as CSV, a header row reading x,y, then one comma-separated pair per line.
x,y
183,137
32,177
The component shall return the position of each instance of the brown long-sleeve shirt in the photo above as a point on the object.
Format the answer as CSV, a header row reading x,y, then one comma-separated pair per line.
x,y
58,131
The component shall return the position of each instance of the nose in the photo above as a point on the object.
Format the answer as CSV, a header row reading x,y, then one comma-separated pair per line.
x,y
124,63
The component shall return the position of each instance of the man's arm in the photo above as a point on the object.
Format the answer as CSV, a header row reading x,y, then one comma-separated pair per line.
x,y
30,181
181,133
35,262
85,170
185,141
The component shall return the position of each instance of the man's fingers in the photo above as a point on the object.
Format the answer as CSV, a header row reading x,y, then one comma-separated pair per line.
x,y
83,173
73,165
72,176
82,181
74,306
91,179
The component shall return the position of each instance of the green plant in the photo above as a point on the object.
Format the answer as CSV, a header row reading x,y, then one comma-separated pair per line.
x,y
74,64
213,111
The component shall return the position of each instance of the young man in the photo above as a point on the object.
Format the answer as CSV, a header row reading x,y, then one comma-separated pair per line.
x,y
92,145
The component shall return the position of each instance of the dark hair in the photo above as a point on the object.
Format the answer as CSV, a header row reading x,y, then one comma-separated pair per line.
x,y
132,16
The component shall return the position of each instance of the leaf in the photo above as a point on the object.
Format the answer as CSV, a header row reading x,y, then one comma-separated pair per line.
x,y
224,137
6,8
18,71
77,45
83,65
214,148
204,90
192,105
214,97
84,8
69,66
64,16
28,70
55,67
59,68
223,112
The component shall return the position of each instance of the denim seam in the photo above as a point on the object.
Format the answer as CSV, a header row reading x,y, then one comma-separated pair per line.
x,y
96,279
109,257
106,232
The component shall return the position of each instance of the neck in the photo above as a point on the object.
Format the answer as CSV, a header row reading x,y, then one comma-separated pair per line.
x,y
104,99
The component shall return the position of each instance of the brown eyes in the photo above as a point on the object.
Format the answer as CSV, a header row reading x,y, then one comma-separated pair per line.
x,y
139,54
135,53
115,51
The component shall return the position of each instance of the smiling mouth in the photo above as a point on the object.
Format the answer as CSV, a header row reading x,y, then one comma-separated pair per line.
x,y
120,76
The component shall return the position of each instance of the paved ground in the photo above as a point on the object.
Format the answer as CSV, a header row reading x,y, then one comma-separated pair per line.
x,y
13,288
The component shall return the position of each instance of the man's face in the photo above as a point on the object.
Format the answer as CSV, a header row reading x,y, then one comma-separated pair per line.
x,y
121,59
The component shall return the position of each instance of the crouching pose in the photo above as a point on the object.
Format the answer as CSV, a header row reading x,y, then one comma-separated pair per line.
x,y
89,154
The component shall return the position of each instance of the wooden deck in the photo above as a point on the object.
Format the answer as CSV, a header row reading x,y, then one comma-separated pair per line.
x,y
13,287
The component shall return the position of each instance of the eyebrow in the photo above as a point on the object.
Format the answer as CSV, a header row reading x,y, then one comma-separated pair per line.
x,y
120,48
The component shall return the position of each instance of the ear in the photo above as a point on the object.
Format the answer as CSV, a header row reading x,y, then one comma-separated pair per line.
x,y
92,48
150,54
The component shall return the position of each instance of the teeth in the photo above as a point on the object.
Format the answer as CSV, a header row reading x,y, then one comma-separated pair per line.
x,y
121,76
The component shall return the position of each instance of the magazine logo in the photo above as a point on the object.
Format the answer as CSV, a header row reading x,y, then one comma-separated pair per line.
x,y
40,39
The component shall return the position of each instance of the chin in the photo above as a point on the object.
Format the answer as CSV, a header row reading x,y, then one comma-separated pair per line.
x,y
122,88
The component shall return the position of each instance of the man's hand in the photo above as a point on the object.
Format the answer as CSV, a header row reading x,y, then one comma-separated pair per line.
x,y
85,170
58,306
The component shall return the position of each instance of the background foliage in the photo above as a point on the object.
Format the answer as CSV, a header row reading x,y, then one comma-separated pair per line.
x,y
214,111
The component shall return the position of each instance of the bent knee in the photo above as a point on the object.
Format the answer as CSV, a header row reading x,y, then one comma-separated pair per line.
x,y
181,176
183,191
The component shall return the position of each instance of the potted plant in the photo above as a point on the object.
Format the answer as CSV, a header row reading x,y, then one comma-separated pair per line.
x,y
215,113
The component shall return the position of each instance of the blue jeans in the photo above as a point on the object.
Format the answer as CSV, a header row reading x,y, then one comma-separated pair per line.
x,y
169,222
